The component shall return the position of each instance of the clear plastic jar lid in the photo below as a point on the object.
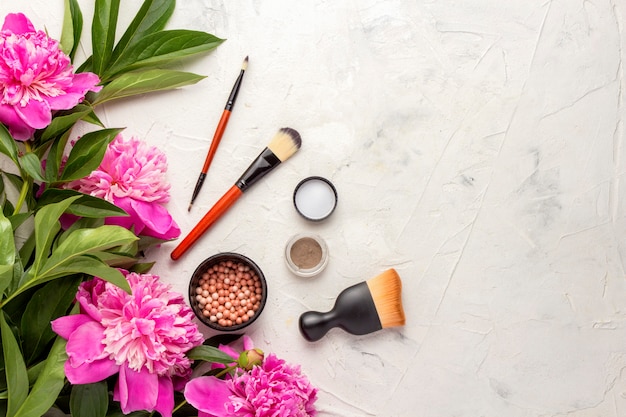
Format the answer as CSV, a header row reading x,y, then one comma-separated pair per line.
x,y
315,198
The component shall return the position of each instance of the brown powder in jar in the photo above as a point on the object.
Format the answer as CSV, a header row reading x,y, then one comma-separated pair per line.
x,y
306,253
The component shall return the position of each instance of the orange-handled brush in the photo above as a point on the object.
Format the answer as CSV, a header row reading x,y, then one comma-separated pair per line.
x,y
219,132
282,146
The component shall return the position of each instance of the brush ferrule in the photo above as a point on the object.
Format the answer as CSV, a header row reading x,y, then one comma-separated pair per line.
x,y
196,189
263,164
233,93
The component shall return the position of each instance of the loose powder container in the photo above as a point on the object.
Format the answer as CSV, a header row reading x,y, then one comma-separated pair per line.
x,y
306,255
315,198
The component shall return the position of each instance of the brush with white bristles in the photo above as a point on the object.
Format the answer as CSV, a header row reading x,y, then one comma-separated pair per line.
x,y
360,309
283,145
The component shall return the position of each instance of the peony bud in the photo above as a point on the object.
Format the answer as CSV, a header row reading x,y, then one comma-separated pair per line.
x,y
250,358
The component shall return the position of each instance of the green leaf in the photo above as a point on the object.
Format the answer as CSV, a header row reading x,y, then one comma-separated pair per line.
x,y
34,372
18,219
87,153
142,268
46,227
151,17
7,252
68,256
103,33
62,123
26,251
18,271
6,276
86,241
141,82
89,400
87,265
118,260
7,144
93,119
55,158
32,165
7,244
82,223
84,206
16,181
209,354
49,303
48,385
162,48
16,375
120,413
72,28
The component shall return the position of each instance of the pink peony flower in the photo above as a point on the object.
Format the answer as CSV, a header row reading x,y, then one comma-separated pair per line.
x,y
273,388
132,176
143,336
36,78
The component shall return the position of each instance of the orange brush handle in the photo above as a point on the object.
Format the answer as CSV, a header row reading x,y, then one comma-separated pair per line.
x,y
217,137
215,213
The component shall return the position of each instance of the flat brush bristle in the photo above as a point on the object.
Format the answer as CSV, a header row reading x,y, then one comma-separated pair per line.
x,y
244,66
386,291
285,143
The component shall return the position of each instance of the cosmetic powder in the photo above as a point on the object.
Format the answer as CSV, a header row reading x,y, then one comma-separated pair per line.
x,y
306,255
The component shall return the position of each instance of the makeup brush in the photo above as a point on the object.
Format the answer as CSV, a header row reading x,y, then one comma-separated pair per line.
x,y
282,146
219,132
360,309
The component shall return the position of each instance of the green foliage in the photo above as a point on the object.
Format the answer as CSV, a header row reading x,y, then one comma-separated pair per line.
x,y
209,354
89,400
72,28
87,154
161,48
41,264
140,82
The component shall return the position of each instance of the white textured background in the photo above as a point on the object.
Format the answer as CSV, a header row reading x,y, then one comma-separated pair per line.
x,y
476,146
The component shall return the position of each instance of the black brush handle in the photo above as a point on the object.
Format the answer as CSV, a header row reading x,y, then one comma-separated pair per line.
x,y
354,311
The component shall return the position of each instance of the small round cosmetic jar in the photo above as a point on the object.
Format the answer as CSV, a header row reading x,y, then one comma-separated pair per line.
x,y
315,198
306,254
227,292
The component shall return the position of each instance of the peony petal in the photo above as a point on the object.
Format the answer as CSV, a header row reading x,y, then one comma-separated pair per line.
x,y
90,372
229,350
87,295
85,81
125,221
65,101
157,220
85,343
81,84
17,127
17,23
247,343
165,400
208,394
37,113
137,390
66,325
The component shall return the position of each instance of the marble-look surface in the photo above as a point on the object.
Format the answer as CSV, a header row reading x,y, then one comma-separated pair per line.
x,y
476,146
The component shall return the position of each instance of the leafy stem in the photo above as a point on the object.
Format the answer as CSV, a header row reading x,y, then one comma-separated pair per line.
x,y
178,407
28,182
